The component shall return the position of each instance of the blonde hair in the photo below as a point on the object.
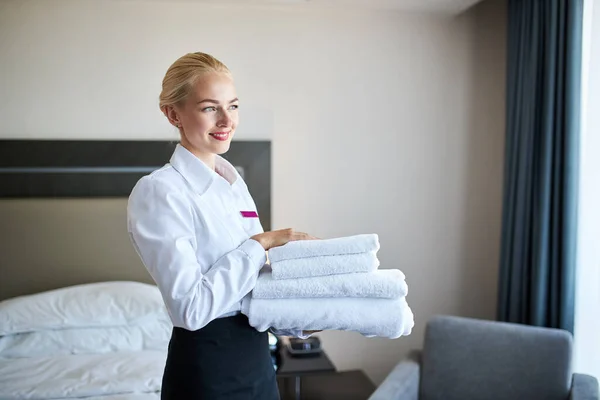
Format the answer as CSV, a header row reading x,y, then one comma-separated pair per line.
x,y
183,74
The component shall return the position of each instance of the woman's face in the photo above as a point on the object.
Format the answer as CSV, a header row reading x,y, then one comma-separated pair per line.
x,y
209,116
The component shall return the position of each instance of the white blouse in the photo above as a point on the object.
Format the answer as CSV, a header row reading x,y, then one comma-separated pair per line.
x,y
186,223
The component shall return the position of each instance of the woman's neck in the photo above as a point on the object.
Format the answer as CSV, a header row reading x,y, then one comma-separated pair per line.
x,y
206,158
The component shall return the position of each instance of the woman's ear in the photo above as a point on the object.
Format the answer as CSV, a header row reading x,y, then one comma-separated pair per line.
x,y
172,116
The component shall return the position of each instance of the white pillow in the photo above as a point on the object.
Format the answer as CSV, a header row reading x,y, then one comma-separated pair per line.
x,y
103,304
153,334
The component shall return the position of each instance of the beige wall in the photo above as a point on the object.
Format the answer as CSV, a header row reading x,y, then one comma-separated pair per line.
x,y
381,122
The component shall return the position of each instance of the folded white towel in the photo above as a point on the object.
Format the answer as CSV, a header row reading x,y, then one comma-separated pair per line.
x,y
389,318
326,247
324,265
387,284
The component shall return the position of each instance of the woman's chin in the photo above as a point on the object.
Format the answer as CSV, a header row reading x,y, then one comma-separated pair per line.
x,y
222,148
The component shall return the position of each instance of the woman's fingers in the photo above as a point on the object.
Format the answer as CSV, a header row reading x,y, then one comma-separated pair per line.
x,y
281,237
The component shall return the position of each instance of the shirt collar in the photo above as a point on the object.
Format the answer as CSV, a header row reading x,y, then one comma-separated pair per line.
x,y
197,173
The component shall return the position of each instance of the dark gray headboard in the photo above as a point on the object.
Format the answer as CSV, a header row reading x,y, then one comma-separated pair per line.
x,y
110,168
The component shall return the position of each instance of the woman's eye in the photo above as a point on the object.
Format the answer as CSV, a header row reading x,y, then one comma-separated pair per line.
x,y
234,107
209,109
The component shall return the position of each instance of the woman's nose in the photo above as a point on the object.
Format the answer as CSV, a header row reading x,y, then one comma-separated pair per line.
x,y
224,119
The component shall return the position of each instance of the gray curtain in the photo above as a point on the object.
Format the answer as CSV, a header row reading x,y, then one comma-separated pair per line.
x,y
539,223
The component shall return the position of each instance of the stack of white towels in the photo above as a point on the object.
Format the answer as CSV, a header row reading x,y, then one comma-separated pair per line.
x,y
331,284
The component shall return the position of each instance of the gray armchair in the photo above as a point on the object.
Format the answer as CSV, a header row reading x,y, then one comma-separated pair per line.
x,y
469,359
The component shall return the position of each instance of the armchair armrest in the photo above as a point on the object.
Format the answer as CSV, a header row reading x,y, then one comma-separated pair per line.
x,y
585,387
403,382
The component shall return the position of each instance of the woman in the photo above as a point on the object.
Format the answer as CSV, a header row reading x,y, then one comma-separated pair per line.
x,y
186,223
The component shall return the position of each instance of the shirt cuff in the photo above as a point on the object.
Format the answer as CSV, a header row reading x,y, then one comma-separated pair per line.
x,y
302,335
255,252
289,332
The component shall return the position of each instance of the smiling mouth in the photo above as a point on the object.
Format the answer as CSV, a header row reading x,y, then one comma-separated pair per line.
x,y
220,135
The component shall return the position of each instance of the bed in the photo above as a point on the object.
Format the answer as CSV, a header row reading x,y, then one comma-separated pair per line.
x,y
105,340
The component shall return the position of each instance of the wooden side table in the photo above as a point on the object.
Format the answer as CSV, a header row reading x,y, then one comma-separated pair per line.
x,y
345,385
298,368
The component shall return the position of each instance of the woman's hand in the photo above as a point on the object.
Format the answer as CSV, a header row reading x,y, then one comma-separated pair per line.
x,y
280,237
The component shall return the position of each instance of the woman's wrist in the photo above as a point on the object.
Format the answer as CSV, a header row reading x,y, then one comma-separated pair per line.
x,y
260,238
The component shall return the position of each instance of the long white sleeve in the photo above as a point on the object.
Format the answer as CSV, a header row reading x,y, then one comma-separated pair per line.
x,y
161,227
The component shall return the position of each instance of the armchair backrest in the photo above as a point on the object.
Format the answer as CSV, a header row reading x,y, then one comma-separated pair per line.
x,y
465,359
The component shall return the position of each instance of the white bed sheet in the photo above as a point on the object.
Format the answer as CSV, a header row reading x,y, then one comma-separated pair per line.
x,y
130,396
123,375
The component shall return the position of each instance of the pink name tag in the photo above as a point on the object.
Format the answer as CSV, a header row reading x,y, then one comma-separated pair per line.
x,y
249,214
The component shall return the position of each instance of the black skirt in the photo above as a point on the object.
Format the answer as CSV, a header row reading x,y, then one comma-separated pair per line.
x,y
227,359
